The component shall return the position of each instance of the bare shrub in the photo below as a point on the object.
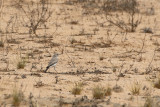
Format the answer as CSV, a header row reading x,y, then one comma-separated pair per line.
x,y
89,6
112,9
130,7
1,7
37,14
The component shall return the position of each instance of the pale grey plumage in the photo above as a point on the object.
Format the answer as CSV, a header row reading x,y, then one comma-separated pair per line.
x,y
52,62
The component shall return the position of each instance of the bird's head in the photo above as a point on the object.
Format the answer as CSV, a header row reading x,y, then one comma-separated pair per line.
x,y
56,54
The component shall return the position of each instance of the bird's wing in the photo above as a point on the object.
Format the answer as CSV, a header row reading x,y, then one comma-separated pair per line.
x,y
53,61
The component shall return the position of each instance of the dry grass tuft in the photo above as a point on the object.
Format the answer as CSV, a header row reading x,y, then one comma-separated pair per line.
x,y
157,83
135,88
101,58
21,64
99,92
1,44
17,97
149,102
77,89
108,91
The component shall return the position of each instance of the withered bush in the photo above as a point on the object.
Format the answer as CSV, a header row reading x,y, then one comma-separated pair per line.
x,y
37,14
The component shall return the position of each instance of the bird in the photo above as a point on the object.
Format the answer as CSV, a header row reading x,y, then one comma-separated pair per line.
x,y
52,62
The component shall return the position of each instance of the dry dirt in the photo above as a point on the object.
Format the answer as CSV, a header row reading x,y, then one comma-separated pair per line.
x,y
85,56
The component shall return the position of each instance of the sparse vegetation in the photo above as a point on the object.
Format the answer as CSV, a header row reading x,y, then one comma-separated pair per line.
x,y
39,84
147,30
135,88
99,92
77,89
21,64
150,11
101,58
130,7
1,44
98,42
157,83
149,102
72,41
112,8
37,13
17,97
108,91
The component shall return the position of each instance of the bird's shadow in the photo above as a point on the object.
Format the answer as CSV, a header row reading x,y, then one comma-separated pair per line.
x,y
80,72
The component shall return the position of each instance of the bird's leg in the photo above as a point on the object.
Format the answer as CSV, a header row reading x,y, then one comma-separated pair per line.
x,y
55,69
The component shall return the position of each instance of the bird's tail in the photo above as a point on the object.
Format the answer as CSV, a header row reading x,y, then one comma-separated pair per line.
x,y
46,69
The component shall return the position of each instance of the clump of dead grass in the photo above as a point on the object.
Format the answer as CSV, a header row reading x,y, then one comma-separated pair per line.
x,y
149,102
17,97
135,88
1,44
108,91
77,89
21,63
100,92
156,84
101,58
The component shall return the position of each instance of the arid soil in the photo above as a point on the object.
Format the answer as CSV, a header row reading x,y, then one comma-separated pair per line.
x,y
92,52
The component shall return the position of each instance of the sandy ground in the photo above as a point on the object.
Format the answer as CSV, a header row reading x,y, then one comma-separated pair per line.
x,y
86,56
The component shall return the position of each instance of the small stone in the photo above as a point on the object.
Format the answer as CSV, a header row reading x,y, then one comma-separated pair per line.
x,y
119,105
67,101
23,76
145,88
94,105
117,89
116,105
7,96
121,75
